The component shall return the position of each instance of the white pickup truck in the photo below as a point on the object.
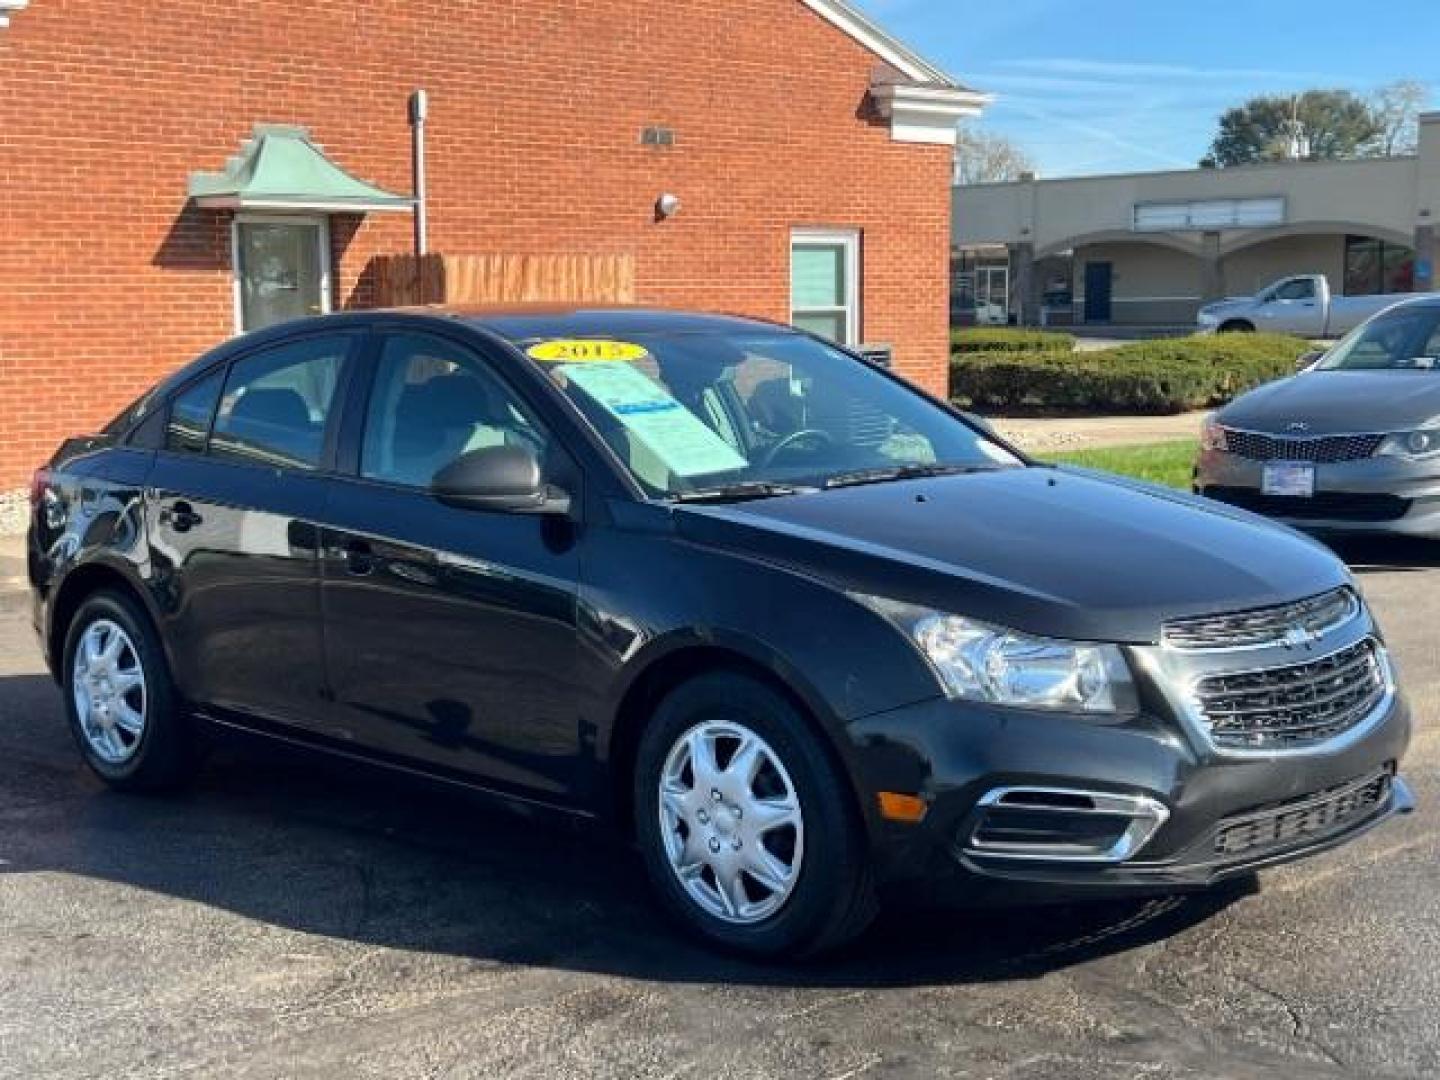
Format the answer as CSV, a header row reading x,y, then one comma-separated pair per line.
x,y
1301,305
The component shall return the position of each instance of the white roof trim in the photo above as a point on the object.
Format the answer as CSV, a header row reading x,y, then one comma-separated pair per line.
x,y
9,6
926,114
883,44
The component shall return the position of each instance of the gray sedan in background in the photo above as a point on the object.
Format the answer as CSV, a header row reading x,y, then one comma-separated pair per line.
x,y
1350,444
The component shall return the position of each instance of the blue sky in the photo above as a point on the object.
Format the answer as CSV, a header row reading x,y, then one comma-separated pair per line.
x,y
1096,86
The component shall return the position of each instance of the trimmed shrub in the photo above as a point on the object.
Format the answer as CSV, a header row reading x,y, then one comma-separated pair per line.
x,y
1145,377
1007,339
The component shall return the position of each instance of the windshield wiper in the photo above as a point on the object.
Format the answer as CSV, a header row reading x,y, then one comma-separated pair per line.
x,y
740,492
885,473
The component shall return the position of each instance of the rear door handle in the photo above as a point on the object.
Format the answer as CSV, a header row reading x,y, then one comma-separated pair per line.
x,y
180,516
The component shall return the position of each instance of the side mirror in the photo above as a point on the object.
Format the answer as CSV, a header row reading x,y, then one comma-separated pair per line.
x,y
1308,360
501,479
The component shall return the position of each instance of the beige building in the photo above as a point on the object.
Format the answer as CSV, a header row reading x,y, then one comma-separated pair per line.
x,y
1150,248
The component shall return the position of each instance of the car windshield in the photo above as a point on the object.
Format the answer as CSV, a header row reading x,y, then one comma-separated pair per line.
x,y
728,415
1406,339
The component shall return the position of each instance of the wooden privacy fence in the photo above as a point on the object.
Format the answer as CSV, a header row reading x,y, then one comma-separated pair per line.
x,y
502,279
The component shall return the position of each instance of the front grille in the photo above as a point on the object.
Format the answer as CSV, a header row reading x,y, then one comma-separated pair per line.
x,y
1260,627
1320,449
1322,506
1295,706
1291,822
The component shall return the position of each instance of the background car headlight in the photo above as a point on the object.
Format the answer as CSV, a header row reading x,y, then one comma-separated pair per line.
x,y
1212,436
979,662
1412,444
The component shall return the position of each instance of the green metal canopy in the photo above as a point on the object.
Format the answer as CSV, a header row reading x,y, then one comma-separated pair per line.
x,y
280,169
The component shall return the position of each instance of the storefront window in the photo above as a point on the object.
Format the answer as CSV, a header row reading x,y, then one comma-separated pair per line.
x,y
1375,266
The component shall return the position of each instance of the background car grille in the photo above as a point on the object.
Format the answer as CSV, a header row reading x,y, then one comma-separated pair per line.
x,y
1296,706
1321,449
1289,823
1323,506
1263,626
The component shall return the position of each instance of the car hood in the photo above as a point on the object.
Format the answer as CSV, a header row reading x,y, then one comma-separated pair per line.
x,y
1048,551
1230,303
1339,402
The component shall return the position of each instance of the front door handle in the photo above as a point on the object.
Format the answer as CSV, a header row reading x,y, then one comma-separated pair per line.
x,y
180,516
359,557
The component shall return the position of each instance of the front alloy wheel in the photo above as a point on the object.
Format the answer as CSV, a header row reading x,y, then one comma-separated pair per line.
x,y
748,825
731,820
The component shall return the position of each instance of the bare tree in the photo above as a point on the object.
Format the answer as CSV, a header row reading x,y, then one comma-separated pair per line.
x,y
1398,107
983,158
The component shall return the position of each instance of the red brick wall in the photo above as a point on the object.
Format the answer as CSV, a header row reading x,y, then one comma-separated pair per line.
x,y
107,279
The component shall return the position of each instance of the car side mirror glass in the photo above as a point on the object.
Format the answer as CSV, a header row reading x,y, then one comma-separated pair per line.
x,y
1308,360
501,479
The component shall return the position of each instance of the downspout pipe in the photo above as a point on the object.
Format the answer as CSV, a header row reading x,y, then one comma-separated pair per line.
x,y
419,107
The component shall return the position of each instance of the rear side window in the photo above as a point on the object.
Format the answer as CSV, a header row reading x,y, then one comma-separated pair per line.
x,y
190,412
277,402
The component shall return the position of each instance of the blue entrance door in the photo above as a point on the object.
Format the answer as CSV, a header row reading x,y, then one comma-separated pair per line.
x,y
1097,291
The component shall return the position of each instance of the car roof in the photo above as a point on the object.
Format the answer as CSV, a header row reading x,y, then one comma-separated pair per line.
x,y
515,323
553,321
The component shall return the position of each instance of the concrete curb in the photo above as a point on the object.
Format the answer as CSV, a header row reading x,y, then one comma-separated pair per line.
x,y
12,563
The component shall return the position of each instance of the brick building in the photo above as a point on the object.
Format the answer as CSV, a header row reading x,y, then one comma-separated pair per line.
x,y
795,133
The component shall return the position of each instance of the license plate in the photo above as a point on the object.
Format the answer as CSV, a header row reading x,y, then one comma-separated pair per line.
x,y
1289,480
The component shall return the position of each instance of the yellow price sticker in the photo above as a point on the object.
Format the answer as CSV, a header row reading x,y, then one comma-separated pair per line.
x,y
583,351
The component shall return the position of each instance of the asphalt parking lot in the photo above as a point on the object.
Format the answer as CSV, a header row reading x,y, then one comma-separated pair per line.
x,y
285,919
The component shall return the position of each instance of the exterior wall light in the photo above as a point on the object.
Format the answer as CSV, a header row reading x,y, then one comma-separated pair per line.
x,y
667,205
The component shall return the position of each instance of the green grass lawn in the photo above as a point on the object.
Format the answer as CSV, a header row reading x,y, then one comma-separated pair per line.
x,y
1160,463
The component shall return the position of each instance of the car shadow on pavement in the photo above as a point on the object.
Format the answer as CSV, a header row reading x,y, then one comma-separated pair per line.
x,y
296,842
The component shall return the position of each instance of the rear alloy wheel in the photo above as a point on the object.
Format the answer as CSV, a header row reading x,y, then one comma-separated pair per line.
x,y
745,821
108,681
120,701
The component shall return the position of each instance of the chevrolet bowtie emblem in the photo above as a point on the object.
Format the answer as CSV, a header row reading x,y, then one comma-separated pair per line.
x,y
1298,636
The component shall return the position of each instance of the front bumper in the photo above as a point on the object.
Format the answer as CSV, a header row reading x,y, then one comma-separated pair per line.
x,y
956,753
1386,495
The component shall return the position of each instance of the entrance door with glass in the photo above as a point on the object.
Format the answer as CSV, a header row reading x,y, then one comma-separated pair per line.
x,y
282,270
992,295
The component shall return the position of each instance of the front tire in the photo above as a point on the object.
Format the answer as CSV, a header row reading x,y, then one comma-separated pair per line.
x,y
1237,326
119,697
744,823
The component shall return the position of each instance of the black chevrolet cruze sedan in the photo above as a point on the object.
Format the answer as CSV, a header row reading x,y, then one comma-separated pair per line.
x,y
807,634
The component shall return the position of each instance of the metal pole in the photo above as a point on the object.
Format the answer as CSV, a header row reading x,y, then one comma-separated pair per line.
x,y
419,106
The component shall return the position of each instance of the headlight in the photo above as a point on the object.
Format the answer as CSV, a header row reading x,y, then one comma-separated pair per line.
x,y
978,662
1411,444
1212,436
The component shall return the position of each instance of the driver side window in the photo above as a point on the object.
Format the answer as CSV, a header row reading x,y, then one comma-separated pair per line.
x,y
432,402
1299,289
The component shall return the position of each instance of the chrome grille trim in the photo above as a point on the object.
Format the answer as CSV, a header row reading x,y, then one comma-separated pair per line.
x,y
1266,627
1316,449
1297,706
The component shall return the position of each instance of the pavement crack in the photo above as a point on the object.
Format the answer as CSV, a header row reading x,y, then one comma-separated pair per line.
x,y
1299,1029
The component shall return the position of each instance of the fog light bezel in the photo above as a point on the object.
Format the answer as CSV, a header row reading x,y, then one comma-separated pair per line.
x,y
1146,814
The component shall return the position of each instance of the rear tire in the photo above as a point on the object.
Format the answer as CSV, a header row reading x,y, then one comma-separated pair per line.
x,y
756,848
120,700
1237,326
